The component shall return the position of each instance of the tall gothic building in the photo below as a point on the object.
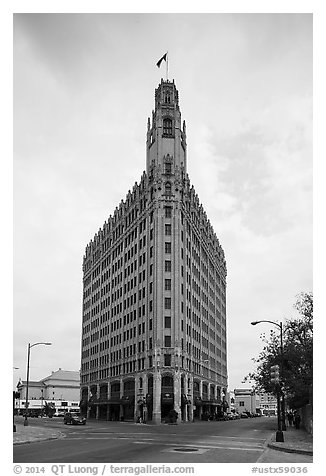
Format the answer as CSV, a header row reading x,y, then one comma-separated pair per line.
x,y
154,292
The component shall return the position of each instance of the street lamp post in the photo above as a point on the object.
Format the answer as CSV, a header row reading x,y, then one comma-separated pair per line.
x,y
42,402
280,404
27,376
15,395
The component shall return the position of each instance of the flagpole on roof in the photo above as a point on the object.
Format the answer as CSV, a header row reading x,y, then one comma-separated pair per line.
x,y
167,65
165,58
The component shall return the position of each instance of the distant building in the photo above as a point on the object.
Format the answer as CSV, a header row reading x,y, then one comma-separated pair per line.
x,y
267,403
60,385
245,400
154,292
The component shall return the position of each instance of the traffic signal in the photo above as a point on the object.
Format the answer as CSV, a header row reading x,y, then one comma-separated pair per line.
x,y
275,374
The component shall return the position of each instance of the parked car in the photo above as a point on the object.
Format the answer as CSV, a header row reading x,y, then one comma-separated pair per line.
x,y
231,416
236,415
74,419
250,414
221,416
244,415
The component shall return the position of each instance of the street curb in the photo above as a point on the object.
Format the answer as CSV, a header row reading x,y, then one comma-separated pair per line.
x,y
37,440
290,450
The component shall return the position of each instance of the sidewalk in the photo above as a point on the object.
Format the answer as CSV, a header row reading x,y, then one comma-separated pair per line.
x,y
295,441
28,434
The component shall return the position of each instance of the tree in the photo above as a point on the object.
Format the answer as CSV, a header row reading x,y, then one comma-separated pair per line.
x,y
298,353
297,362
49,409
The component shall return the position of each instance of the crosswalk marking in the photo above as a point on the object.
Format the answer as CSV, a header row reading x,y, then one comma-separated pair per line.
x,y
235,445
160,435
213,447
236,437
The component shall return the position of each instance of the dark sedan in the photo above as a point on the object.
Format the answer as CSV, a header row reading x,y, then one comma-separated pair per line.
x,y
74,419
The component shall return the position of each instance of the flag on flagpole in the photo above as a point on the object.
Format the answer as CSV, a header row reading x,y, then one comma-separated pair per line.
x,y
158,64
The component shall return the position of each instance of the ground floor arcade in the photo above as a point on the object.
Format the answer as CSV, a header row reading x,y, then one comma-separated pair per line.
x,y
152,397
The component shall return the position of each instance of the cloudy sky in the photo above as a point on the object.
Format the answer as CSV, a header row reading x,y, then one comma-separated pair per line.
x,y
83,90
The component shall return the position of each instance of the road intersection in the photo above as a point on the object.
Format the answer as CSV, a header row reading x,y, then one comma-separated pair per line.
x,y
240,441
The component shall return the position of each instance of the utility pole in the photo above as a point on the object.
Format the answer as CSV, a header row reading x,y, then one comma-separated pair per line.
x,y
275,379
280,393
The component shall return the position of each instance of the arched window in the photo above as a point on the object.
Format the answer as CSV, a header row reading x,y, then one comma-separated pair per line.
x,y
168,188
129,386
115,387
167,381
168,168
167,98
167,126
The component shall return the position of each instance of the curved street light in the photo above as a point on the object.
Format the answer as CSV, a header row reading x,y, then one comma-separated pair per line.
x,y
14,400
281,414
27,377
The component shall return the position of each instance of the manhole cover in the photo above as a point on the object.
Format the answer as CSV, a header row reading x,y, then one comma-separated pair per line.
x,y
185,450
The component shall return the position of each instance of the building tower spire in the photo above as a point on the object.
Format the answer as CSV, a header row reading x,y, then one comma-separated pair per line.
x,y
165,134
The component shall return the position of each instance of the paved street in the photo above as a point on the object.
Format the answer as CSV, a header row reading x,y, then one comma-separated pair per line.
x,y
239,441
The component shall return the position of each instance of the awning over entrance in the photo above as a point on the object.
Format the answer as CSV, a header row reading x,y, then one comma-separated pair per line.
x,y
212,401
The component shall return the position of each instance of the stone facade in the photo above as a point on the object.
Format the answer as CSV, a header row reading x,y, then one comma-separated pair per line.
x,y
154,292
60,385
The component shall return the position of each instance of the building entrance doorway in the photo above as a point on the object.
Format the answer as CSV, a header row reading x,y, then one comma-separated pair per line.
x,y
167,396
128,400
114,412
150,397
128,411
102,414
165,409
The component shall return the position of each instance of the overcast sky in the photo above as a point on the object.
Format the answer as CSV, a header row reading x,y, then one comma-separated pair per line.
x,y
83,90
